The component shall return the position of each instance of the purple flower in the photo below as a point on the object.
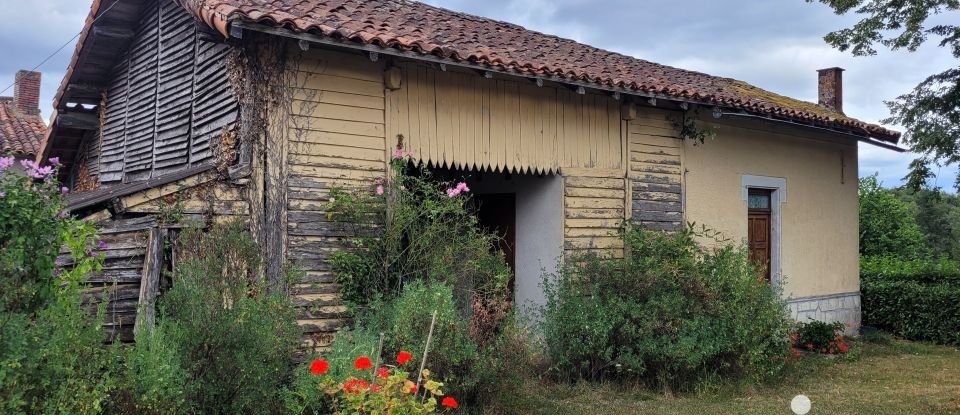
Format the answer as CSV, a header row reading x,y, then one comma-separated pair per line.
x,y
2,193
55,161
64,190
29,164
63,214
6,162
101,245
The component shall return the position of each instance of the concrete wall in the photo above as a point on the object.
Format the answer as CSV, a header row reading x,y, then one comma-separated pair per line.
x,y
539,235
539,228
819,222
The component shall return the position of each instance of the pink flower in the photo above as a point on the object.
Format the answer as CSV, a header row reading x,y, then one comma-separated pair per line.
x,y
379,189
63,214
6,162
101,244
2,193
453,192
55,161
64,190
398,153
462,187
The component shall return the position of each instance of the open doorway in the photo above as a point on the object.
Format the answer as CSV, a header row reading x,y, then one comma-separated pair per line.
x,y
526,212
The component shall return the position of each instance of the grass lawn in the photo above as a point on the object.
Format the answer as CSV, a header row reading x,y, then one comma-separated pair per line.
x,y
895,378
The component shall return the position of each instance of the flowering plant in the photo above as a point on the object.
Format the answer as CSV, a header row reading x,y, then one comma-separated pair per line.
x,y
414,224
386,390
820,337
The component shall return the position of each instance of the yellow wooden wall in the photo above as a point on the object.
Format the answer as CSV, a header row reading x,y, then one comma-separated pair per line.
x,y
593,210
462,120
336,139
204,194
656,169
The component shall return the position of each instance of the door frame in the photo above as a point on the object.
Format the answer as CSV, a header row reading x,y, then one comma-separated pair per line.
x,y
778,196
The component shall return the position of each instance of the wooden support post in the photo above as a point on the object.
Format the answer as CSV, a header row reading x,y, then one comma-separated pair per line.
x,y
150,281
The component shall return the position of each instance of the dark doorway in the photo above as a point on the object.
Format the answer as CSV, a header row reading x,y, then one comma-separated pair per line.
x,y
758,229
497,213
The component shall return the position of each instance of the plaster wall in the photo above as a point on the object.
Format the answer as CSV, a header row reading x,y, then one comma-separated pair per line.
x,y
818,216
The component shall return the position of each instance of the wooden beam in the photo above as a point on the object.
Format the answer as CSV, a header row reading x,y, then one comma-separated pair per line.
x,y
150,281
112,32
85,89
78,120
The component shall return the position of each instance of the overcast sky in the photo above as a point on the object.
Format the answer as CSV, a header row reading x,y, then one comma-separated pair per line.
x,y
774,44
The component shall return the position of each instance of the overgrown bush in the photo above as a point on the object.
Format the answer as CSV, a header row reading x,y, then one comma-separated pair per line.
x,y
223,343
671,313
413,226
820,337
52,356
417,247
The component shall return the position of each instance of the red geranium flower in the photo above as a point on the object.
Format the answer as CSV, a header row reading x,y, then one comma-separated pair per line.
x,y
449,402
413,389
362,363
319,367
404,357
383,372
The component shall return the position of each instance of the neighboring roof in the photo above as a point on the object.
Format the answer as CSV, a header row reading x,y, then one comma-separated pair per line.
x,y
20,134
427,30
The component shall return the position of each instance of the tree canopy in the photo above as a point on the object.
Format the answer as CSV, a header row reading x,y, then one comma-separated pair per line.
x,y
930,113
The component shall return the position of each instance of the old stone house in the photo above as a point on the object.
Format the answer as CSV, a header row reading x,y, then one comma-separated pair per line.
x,y
254,110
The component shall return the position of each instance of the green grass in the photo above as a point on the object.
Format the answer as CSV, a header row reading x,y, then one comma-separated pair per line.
x,y
882,377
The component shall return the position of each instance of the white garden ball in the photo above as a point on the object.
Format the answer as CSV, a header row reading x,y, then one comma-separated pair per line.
x,y
800,404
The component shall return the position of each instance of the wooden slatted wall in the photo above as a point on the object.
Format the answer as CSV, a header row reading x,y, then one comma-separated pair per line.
x,y
336,139
113,124
142,97
463,120
168,100
656,169
593,210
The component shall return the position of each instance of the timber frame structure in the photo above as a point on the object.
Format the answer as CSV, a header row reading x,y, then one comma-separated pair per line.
x,y
199,111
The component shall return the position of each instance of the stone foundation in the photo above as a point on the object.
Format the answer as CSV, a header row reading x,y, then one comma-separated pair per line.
x,y
842,307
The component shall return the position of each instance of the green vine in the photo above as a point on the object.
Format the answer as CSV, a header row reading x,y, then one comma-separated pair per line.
x,y
690,129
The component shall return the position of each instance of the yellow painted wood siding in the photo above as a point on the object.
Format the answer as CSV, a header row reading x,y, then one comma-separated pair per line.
x,y
656,169
203,194
462,120
336,139
593,210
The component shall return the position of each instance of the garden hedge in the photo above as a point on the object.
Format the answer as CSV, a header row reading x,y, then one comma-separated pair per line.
x,y
918,300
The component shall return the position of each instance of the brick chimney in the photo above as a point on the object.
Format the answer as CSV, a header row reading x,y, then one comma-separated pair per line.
x,y
26,93
830,88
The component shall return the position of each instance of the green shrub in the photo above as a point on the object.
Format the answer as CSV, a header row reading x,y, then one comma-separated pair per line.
x,y
52,353
405,323
671,313
888,268
220,330
821,337
427,233
913,310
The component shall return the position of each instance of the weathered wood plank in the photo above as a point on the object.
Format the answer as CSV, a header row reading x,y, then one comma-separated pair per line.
x,y
150,282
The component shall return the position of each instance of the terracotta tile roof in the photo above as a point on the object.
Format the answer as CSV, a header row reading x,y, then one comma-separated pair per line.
x,y
428,30
20,134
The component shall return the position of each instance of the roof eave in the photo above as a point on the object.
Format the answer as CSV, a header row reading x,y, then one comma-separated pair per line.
x,y
235,25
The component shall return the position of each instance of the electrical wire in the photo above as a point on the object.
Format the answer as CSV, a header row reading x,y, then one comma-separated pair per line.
x,y
65,44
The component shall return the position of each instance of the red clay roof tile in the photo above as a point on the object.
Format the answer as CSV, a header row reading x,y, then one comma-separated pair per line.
x,y
20,134
423,29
